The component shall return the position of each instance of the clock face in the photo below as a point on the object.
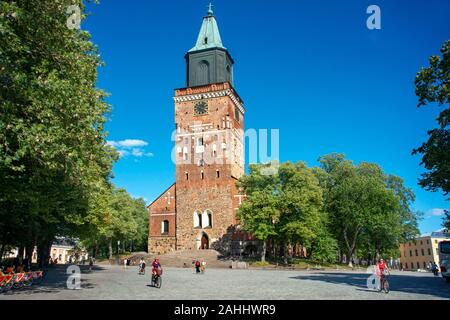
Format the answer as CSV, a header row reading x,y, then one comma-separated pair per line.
x,y
201,108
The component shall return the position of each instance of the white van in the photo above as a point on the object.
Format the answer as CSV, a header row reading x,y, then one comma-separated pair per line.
x,y
444,258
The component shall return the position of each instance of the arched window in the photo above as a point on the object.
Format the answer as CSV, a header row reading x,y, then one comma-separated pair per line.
x,y
197,220
165,227
203,72
207,219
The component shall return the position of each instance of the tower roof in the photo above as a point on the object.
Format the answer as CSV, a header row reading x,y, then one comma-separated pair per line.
x,y
209,35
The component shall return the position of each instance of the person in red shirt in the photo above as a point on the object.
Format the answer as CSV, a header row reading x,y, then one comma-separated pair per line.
x,y
381,269
156,266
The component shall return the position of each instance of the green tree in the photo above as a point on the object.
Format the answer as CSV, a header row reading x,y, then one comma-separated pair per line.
x,y
433,86
116,216
259,213
369,211
446,219
286,207
53,153
300,204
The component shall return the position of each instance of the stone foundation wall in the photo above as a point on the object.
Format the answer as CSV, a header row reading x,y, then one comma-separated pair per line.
x,y
161,245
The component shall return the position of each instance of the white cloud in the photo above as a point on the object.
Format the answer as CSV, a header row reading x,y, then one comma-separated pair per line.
x,y
131,143
123,153
128,143
137,152
130,147
436,212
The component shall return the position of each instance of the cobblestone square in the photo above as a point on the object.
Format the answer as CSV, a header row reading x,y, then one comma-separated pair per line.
x,y
115,282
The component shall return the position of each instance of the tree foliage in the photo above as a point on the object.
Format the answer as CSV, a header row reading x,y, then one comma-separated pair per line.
x,y
286,207
55,165
369,210
357,210
433,87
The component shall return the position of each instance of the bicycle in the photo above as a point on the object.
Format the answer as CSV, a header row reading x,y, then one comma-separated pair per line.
x,y
384,283
6,282
141,269
157,279
13,280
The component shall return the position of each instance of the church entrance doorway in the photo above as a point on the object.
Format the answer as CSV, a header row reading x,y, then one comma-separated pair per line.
x,y
204,242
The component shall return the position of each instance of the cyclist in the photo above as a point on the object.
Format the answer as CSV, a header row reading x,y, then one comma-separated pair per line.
x,y
434,268
142,266
156,267
381,269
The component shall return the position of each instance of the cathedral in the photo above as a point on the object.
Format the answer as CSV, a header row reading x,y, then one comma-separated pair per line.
x,y
199,210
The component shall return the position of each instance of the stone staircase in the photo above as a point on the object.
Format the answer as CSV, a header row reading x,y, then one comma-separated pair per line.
x,y
183,259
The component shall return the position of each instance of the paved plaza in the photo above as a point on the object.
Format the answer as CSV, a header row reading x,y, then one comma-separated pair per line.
x,y
113,282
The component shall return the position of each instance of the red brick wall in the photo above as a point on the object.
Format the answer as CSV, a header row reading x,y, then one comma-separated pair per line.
x,y
210,193
161,210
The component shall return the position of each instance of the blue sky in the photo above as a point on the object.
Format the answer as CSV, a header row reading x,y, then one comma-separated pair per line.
x,y
311,69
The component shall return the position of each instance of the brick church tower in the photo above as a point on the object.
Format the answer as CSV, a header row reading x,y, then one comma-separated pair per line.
x,y
199,210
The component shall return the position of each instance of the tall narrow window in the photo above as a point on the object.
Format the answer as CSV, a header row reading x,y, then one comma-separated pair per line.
x,y
217,174
203,175
187,175
207,219
197,220
165,227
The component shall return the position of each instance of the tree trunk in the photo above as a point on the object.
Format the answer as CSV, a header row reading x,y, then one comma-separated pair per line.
x,y
286,253
29,253
43,250
2,251
20,253
263,253
95,249
110,249
351,246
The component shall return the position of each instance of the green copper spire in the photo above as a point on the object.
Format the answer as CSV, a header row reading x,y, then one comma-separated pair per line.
x,y
209,36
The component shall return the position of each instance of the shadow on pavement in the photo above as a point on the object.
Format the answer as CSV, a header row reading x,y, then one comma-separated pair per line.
x,y
413,284
55,281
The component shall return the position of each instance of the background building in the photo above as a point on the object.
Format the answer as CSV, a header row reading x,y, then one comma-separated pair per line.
x,y
63,251
417,254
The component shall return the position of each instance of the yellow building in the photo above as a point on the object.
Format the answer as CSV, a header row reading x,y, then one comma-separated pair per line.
x,y
417,254
61,252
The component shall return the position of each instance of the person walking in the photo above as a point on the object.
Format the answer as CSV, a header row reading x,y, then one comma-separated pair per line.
x,y
142,266
91,264
197,266
203,266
